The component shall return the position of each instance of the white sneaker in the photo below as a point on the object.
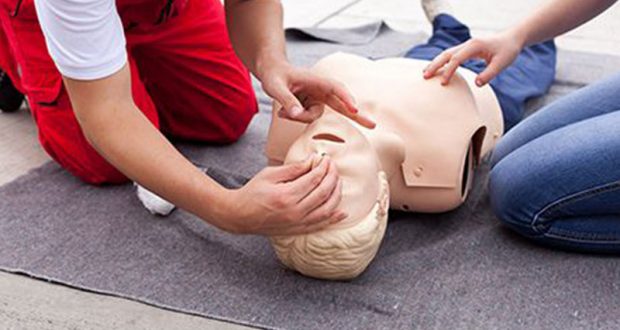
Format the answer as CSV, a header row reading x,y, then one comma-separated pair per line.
x,y
155,204
432,8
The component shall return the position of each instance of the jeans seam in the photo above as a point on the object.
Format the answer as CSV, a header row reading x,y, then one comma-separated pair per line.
x,y
582,240
539,217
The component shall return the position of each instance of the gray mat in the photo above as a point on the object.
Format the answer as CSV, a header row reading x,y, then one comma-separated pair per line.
x,y
455,270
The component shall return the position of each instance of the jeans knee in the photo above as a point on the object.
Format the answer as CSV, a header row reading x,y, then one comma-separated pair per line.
x,y
510,199
501,150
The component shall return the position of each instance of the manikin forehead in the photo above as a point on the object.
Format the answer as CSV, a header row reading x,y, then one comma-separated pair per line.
x,y
338,253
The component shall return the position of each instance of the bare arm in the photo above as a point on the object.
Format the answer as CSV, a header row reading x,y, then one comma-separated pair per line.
x,y
256,31
500,50
255,28
557,17
291,199
119,131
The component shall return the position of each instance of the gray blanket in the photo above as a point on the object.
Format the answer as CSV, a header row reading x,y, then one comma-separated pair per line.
x,y
455,270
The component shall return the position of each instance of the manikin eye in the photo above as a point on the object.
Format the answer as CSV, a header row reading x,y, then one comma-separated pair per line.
x,y
328,137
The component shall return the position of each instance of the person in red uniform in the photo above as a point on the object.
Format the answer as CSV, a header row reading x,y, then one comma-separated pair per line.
x,y
109,81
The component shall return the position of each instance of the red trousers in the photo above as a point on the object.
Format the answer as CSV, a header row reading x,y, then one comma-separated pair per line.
x,y
186,78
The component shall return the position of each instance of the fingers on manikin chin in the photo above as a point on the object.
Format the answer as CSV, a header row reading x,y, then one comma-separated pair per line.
x,y
310,114
340,91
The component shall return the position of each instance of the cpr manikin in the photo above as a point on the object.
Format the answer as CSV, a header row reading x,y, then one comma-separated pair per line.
x,y
420,157
422,154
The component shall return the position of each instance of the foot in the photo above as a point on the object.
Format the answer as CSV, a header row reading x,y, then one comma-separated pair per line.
x,y
155,204
10,98
432,8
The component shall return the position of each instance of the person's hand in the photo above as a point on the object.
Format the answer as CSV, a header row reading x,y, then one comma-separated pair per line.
x,y
499,51
303,95
292,199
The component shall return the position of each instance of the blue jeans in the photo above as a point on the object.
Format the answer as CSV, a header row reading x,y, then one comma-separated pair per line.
x,y
530,75
555,177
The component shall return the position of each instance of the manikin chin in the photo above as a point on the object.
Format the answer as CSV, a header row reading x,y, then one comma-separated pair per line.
x,y
419,158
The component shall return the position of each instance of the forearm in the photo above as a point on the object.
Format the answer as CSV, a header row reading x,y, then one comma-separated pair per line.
x,y
144,155
557,17
119,131
256,32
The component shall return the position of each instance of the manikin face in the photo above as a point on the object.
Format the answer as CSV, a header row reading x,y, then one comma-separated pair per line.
x,y
356,161
343,250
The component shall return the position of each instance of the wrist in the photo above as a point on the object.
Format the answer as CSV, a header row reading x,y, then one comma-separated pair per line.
x,y
268,64
519,35
222,209
211,201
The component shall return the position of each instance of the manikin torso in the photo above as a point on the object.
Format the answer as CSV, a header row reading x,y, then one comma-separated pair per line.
x,y
425,146
427,133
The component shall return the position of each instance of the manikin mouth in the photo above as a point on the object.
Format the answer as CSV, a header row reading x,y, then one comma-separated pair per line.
x,y
328,137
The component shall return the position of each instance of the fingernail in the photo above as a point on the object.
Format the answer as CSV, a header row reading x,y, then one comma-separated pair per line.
x,y
318,160
296,111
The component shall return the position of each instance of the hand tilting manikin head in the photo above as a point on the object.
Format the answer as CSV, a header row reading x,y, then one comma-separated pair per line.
x,y
345,249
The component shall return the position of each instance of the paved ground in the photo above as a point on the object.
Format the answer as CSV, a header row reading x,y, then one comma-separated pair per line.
x,y
32,304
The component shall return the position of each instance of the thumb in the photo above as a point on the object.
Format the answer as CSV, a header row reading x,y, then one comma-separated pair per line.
x,y
491,71
290,104
292,171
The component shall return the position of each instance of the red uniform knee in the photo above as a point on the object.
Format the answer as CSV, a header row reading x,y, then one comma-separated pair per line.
x,y
220,114
89,168
243,110
62,138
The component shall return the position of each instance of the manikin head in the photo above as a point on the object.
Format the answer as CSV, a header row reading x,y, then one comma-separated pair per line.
x,y
343,250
